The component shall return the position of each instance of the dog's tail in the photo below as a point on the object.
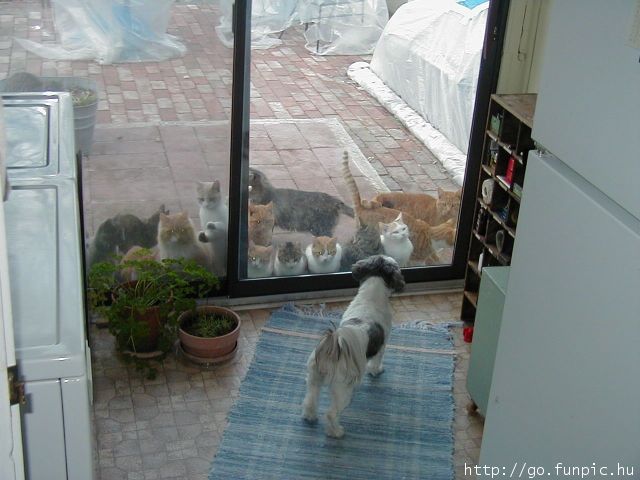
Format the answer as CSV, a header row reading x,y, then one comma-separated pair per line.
x,y
341,355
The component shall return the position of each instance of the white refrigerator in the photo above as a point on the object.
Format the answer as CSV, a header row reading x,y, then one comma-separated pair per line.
x,y
565,388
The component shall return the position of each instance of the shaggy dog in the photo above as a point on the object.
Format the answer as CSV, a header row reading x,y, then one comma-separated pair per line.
x,y
343,355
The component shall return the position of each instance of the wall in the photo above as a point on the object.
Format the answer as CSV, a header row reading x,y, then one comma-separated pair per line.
x,y
524,42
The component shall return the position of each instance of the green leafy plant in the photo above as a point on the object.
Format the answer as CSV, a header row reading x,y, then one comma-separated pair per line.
x,y
82,96
165,288
209,325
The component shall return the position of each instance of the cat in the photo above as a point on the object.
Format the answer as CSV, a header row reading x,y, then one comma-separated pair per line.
x,y
423,206
290,260
136,253
298,210
177,239
365,242
372,213
215,235
213,207
261,222
395,241
116,235
259,261
23,82
324,255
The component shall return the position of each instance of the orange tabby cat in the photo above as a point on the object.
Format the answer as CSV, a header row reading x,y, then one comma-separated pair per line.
x,y
261,223
424,206
177,239
372,213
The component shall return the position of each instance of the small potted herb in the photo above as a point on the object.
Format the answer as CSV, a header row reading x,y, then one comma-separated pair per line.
x,y
209,334
143,314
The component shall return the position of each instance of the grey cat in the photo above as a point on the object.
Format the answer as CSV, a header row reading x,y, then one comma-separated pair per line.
x,y
298,210
366,242
23,82
116,235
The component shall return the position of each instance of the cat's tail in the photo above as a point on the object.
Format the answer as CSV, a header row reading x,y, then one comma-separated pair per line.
x,y
351,183
445,231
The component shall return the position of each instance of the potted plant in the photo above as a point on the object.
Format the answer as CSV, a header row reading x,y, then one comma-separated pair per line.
x,y
209,334
142,314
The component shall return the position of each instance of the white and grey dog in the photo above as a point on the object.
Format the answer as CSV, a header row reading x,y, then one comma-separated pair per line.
x,y
356,347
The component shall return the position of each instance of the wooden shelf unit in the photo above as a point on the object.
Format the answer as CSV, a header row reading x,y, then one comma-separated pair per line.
x,y
507,143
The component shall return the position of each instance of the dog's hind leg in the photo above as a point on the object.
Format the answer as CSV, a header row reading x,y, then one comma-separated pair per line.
x,y
310,404
340,399
374,365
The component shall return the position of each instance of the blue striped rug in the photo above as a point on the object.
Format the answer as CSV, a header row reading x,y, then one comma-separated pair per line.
x,y
398,426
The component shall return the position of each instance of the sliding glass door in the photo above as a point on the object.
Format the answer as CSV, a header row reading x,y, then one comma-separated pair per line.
x,y
349,141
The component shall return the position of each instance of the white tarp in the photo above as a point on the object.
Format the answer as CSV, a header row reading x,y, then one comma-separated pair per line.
x,y
332,27
449,156
110,31
429,54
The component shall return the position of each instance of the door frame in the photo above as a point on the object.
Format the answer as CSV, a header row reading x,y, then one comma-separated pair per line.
x,y
11,454
236,286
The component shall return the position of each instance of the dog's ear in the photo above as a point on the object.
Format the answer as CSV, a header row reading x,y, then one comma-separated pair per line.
x,y
363,268
394,278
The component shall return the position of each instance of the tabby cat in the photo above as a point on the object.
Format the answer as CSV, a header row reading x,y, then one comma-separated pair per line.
x,y
298,210
372,213
213,207
323,255
423,206
290,260
260,261
261,221
365,242
395,241
215,235
177,239
116,235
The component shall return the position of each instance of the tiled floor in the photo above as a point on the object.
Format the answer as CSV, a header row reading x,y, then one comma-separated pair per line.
x,y
161,126
171,427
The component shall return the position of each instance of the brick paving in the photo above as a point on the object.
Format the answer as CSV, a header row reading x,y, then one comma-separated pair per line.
x,y
161,125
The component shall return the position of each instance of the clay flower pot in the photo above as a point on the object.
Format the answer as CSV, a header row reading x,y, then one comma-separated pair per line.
x,y
208,349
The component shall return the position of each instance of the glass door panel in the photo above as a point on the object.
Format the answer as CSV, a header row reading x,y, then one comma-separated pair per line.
x,y
311,101
152,107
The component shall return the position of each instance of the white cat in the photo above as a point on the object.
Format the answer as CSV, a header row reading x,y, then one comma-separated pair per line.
x,y
215,235
395,241
213,206
324,255
290,260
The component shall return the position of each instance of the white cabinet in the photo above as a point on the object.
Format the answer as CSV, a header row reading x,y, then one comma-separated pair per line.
x,y
44,245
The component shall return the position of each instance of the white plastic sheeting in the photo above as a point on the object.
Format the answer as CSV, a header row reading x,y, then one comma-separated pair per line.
x,y
450,156
332,27
343,27
110,31
429,54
